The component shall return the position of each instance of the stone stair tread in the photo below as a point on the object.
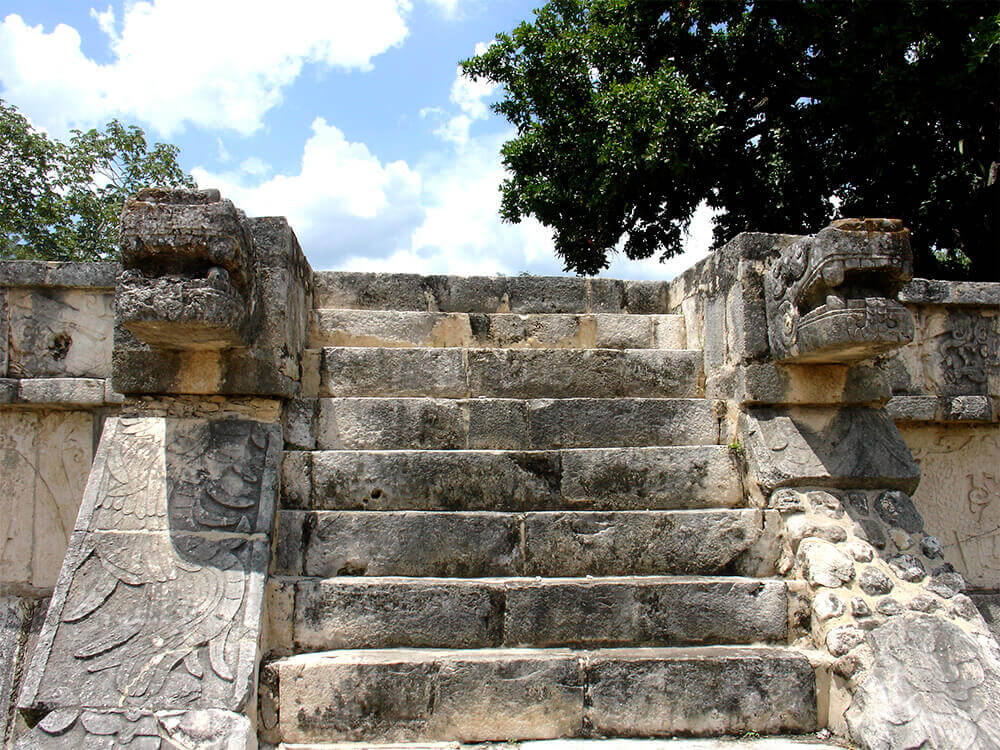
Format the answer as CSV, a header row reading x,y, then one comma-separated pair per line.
x,y
402,422
405,328
460,372
535,543
634,478
385,695
798,742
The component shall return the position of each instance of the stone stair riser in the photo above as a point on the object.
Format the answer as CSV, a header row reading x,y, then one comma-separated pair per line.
x,y
500,424
661,478
504,373
475,544
397,696
392,328
480,294
355,613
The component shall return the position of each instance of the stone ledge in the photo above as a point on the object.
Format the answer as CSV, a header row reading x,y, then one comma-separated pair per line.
x,y
56,392
58,274
939,292
947,409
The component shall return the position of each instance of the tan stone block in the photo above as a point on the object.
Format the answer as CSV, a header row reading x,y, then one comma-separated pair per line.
x,y
18,458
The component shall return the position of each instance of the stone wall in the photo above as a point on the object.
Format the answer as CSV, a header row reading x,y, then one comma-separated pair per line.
x,y
945,397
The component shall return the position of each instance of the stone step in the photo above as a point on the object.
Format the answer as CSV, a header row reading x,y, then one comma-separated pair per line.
x,y
391,328
482,543
657,478
503,373
785,742
484,695
487,294
375,423
396,612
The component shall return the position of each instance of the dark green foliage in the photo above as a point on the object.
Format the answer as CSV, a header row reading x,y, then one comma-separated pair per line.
x,y
629,113
61,201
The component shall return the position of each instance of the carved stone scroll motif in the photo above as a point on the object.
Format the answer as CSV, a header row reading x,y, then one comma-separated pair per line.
x,y
159,600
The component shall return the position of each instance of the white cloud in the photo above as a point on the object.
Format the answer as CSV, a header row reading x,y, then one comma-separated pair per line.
x,y
470,97
221,64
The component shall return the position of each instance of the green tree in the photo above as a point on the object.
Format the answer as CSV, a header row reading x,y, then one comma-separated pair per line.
x,y
61,201
629,113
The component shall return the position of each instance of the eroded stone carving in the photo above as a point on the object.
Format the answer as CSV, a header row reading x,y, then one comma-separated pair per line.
x,y
189,280
158,603
966,354
830,297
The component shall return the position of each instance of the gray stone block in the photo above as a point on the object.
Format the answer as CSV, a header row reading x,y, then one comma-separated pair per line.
x,y
706,691
393,372
845,448
647,296
663,478
58,274
401,695
499,424
604,612
577,543
940,292
404,543
390,423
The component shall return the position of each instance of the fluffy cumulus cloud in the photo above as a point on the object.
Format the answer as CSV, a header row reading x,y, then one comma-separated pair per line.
x,y
224,70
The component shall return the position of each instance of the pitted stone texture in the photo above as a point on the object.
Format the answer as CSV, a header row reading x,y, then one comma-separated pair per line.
x,y
480,294
59,333
510,373
461,613
385,696
158,604
598,479
372,423
475,543
930,684
68,728
844,448
395,328
823,564
20,619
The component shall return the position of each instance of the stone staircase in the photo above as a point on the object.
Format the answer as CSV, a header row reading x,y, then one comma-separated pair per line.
x,y
507,515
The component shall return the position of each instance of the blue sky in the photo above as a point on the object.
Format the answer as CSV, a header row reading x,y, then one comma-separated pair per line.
x,y
349,117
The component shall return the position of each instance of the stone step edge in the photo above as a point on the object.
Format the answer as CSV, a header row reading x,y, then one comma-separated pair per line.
x,y
777,742
542,581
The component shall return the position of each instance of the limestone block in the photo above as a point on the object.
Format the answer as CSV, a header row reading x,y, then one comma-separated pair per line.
x,y
210,729
989,606
81,392
158,604
58,274
581,543
644,297
393,372
959,494
931,684
847,448
701,692
60,333
500,424
19,459
829,384
823,564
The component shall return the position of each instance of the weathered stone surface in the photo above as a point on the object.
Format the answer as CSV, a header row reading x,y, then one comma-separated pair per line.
x,y
845,448
375,423
874,582
159,601
396,328
476,543
637,542
56,274
210,729
946,409
357,371
387,695
931,685
17,617
843,265
54,392
823,564
699,691
988,604
940,292
643,612
613,479
332,543
59,333
814,384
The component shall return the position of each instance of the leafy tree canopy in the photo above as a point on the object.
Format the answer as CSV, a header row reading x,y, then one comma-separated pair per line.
x,y
61,201
630,113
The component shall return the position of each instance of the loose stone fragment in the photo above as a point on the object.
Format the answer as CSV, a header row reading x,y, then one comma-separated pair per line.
x,y
907,567
860,608
872,531
946,585
924,603
888,607
842,639
823,564
861,551
858,502
874,582
827,606
962,606
803,525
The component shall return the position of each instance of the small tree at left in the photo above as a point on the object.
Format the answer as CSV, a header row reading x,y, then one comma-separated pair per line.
x,y
61,200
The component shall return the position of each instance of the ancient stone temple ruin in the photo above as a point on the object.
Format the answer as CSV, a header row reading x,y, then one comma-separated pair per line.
x,y
245,503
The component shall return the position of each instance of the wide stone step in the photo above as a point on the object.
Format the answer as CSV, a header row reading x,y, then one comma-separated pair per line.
x,y
348,612
504,694
659,478
504,373
373,423
478,543
508,330
785,742
487,294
